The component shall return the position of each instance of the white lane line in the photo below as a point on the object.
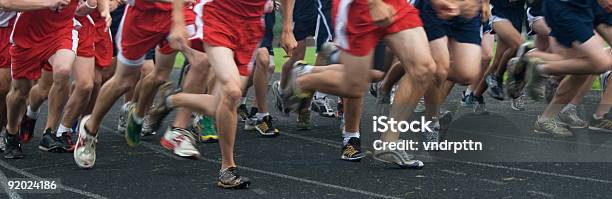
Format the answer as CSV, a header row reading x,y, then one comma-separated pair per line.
x,y
280,175
539,193
495,182
61,186
11,193
328,143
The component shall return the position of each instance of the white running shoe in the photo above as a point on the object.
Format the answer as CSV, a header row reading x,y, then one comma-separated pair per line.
x,y
181,142
123,115
85,147
323,107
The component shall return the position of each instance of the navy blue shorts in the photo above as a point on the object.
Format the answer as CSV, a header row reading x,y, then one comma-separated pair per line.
x,y
515,13
150,55
270,19
460,29
313,18
570,22
117,15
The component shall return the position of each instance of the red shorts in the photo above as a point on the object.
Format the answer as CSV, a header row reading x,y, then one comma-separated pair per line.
x,y
103,46
86,37
5,45
141,31
241,35
26,63
358,35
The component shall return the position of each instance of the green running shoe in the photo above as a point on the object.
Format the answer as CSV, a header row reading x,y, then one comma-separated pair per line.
x,y
133,130
205,127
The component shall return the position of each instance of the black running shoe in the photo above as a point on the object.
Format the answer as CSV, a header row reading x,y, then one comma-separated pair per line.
x,y
495,87
2,144
265,127
26,128
13,147
67,142
51,143
243,113
352,150
229,179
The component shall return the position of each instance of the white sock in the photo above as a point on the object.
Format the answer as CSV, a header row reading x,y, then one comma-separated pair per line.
x,y
568,107
597,117
125,106
62,129
348,135
260,116
31,113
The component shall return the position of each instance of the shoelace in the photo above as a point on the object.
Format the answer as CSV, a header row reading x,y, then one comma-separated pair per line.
x,y
520,103
605,123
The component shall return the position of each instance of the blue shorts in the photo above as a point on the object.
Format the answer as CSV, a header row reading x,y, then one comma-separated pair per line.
x,y
270,19
313,18
569,22
460,29
514,14
116,15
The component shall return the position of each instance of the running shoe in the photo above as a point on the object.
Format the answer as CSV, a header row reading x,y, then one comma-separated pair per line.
x,y
604,124
420,107
278,99
352,150
294,98
399,158
329,51
160,110
122,122
323,107
479,106
181,142
265,127
551,88
516,78
147,128
85,148
518,104
67,141
303,120
205,127
2,137
570,118
374,88
229,179
383,102
496,87
134,129
50,142
433,135
243,112
26,128
535,87
551,127
249,124
524,49
467,100
446,118
12,148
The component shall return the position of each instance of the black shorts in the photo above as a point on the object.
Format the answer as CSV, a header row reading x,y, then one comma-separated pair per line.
x,y
117,15
511,10
313,18
270,20
460,29
570,22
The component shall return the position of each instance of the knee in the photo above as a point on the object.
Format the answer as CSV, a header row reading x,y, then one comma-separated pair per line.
x,y
19,92
84,88
61,74
423,70
603,65
4,89
232,93
515,43
441,72
354,89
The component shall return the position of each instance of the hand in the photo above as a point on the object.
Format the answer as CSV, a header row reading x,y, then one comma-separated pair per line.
x,y
58,5
445,9
190,2
606,4
486,12
107,19
382,14
269,6
288,42
178,36
470,8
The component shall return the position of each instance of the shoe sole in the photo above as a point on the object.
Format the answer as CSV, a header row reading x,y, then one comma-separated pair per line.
x,y
394,163
209,139
537,132
53,149
240,186
355,159
13,157
599,129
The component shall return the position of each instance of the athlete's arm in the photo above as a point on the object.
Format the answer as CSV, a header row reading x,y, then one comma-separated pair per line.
x,y
85,7
178,32
25,5
104,9
445,9
470,8
486,10
382,14
288,41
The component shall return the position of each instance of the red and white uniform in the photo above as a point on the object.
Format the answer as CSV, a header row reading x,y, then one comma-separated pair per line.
x,y
143,27
86,31
103,43
355,31
37,36
7,20
236,25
